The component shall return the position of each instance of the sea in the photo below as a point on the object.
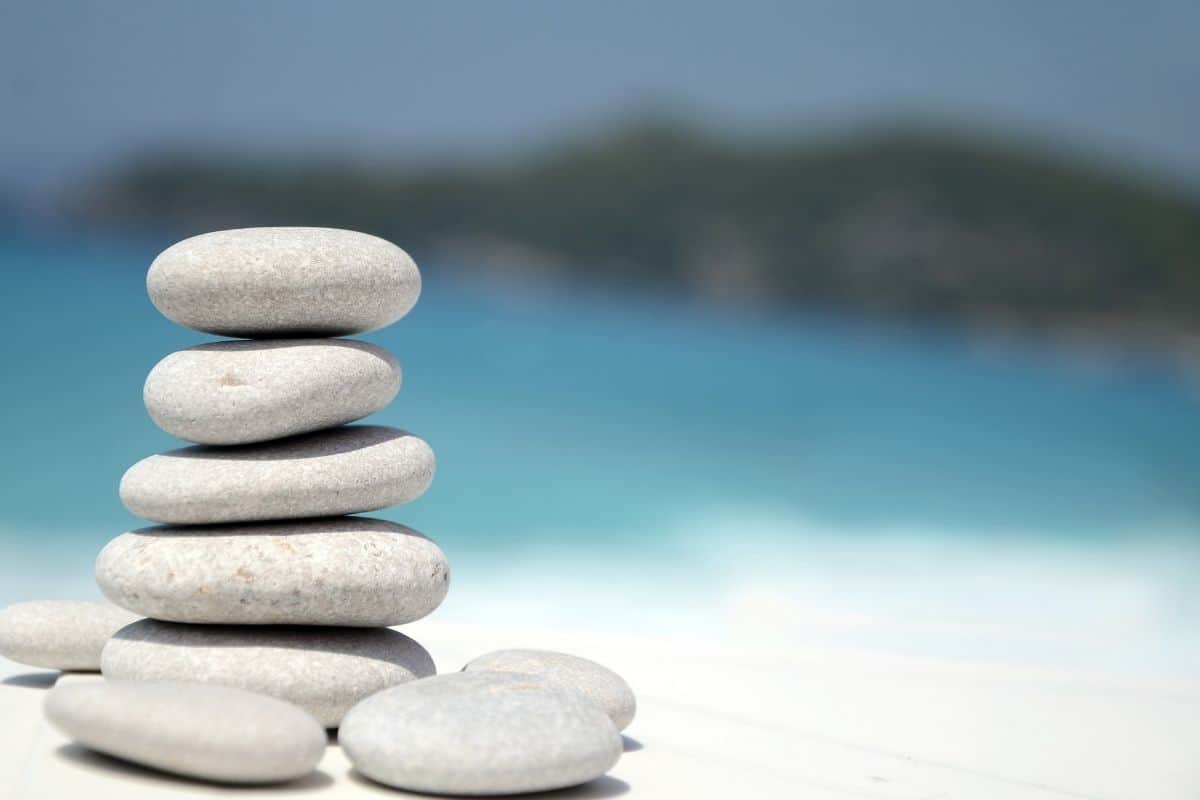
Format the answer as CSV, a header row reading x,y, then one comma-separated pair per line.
x,y
641,465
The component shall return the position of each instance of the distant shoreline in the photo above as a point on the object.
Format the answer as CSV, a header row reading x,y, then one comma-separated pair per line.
x,y
902,224
1106,342
998,239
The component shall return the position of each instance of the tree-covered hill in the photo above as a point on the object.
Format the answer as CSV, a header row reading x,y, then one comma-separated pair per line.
x,y
898,223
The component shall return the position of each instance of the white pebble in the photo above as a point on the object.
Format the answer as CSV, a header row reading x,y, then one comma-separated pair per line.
x,y
210,732
605,687
480,733
59,634
241,392
323,670
279,282
343,470
332,571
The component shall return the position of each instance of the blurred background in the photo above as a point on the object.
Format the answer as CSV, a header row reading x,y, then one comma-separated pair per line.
x,y
873,325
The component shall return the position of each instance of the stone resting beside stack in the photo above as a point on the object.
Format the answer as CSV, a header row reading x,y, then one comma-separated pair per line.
x,y
255,551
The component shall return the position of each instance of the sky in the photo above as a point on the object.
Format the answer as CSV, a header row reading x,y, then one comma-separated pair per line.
x,y
84,84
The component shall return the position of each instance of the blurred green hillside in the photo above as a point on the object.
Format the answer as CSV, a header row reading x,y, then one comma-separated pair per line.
x,y
914,224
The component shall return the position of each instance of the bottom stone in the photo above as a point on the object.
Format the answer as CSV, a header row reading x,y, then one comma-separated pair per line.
x,y
323,670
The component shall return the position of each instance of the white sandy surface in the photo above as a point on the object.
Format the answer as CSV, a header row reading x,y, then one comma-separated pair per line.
x,y
718,720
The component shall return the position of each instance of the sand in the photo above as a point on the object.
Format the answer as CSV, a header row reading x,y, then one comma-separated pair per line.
x,y
717,720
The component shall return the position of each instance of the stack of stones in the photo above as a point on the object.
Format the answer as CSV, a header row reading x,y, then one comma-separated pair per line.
x,y
262,598
256,578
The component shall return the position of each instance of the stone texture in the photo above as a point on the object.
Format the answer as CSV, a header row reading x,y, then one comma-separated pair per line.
x,y
599,683
339,471
480,733
210,732
333,571
325,671
281,282
59,634
241,392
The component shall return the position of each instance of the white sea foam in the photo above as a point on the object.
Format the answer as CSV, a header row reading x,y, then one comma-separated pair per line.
x,y
1128,604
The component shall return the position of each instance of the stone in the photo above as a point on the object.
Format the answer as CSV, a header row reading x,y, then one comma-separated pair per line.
x,y
335,571
240,392
599,683
338,471
325,671
480,733
283,282
210,732
59,634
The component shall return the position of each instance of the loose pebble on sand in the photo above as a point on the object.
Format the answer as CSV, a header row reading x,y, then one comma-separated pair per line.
x,y
599,683
210,732
59,634
480,733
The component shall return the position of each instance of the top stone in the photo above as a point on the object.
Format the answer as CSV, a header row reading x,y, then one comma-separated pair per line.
x,y
280,282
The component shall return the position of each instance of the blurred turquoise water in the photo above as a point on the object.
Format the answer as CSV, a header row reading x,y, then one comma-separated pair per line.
x,y
664,458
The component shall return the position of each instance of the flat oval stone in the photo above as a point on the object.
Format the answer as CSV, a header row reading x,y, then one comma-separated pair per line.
x,y
240,392
210,732
325,671
278,282
59,634
339,471
599,683
334,571
480,733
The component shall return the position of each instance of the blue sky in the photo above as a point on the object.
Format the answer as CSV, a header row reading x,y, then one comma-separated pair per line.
x,y
84,83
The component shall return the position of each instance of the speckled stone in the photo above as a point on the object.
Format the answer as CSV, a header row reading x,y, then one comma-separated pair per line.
x,y
277,282
240,392
325,671
339,471
210,732
59,634
479,733
601,684
334,571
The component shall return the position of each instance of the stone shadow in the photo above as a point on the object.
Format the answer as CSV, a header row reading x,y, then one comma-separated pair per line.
x,y
602,787
32,680
82,757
